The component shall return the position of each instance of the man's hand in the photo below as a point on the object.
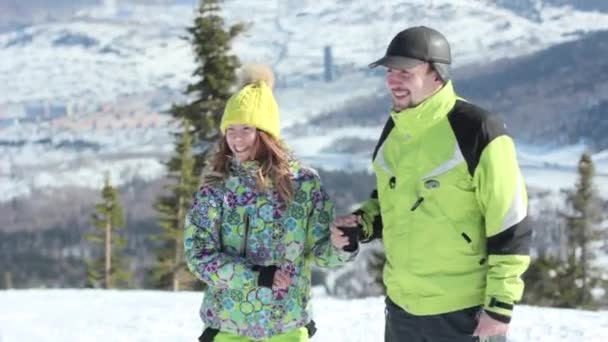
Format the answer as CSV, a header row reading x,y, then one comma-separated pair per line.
x,y
488,326
339,238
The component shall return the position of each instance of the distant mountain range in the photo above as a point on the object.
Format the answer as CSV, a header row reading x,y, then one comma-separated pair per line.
x,y
107,51
532,9
555,97
558,96
20,13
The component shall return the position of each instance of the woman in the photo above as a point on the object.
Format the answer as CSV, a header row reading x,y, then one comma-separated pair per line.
x,y
258,221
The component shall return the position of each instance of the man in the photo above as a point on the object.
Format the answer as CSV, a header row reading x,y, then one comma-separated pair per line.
x,y
450,203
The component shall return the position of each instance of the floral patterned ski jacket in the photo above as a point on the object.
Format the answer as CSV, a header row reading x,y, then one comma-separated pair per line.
x,y
234,235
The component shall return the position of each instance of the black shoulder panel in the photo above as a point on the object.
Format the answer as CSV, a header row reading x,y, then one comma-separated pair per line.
x,y
474,129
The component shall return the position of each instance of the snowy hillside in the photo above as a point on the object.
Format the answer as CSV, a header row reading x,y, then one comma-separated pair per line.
x,y
556,169
131,49
58,163
128,156
116,50
134,316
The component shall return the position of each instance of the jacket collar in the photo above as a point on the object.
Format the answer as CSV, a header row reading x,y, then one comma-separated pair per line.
x,y
246,168
412,122
249,169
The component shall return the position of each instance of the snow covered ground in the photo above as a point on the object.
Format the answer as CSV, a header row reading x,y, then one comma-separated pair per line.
x,y
151,316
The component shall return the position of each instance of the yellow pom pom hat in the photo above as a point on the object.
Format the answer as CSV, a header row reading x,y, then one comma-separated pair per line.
x,y
254,104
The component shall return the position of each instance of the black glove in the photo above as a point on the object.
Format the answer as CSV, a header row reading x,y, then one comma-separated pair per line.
x,y
208,335
353,234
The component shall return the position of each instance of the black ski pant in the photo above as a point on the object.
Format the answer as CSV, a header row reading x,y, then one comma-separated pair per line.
x,y
457,326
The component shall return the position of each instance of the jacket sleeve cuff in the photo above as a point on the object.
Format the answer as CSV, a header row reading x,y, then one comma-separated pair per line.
x,y
366,230
498,310
266,276
499,317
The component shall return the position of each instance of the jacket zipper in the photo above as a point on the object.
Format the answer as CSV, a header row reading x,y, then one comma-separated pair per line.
x,y
417,203
244,248
218,227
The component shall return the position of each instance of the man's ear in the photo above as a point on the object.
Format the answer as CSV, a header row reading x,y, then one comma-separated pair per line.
x,y
437,77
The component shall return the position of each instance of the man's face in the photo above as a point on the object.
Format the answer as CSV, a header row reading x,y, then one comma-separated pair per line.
x,y
409,87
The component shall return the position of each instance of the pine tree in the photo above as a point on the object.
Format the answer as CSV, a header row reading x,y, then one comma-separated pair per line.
x,y
582,226
170,272
568,281
215,74
109,270
200,119
542,281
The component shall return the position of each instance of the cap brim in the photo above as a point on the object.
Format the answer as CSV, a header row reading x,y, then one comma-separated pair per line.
x,y
396,62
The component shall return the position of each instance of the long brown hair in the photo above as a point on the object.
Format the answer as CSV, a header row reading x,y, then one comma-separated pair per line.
x,y
269,152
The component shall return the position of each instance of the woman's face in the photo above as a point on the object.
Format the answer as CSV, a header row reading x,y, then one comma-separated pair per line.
x,y
241,140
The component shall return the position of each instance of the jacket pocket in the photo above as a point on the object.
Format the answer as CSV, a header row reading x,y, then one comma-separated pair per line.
x,y
454,211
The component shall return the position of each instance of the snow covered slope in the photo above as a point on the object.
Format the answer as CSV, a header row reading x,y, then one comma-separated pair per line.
x,y
131,49
138,316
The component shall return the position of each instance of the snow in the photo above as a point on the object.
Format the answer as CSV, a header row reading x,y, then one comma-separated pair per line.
x,y
137,315
125,154
87,173
135,49
34,166
299,104
556,168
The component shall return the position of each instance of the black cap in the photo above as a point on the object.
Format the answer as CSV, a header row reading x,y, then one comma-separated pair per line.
x,y
413,46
